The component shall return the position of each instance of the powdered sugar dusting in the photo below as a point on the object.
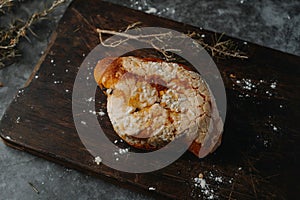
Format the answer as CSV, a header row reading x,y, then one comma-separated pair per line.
x,y
250,87
206,185
207,192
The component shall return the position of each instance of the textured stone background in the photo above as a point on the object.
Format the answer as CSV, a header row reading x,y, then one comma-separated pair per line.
x,y
272,23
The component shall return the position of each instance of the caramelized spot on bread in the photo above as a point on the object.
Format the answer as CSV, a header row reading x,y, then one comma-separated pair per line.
x,y
108,72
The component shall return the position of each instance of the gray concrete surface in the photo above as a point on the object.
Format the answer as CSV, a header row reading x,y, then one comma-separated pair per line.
x,y
272,23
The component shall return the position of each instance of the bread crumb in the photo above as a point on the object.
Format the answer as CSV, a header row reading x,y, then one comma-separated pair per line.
x,y
232,76
200,175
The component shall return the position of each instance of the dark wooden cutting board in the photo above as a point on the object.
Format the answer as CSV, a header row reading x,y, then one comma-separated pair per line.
x,y
258,158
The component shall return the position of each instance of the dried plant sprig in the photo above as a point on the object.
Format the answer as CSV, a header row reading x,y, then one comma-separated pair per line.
x,y
10,37
7,55
218,49
222,49
149,39
4,4
21,32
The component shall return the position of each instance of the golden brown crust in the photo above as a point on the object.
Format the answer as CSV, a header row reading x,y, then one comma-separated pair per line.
x,y
195,148
108,71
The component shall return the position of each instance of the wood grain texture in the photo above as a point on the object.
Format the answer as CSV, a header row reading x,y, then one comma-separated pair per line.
x,y
258,158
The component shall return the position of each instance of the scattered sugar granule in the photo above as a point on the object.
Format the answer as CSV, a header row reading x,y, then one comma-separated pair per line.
x,y
108,91
101,113
57,82
219,179
266,143
83,122
98,160
151,10
152,188
90,99
18,120
123,151
273,85
200,182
